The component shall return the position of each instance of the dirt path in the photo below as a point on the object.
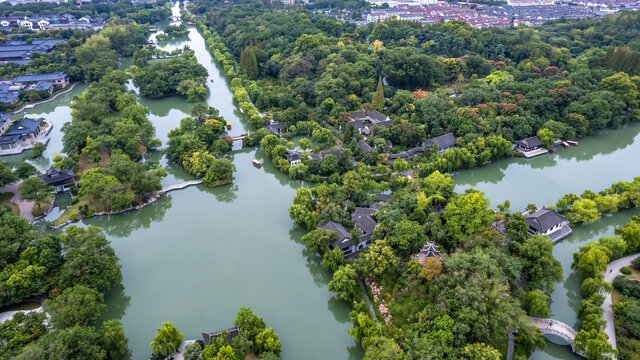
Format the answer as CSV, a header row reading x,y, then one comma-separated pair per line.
x,y
25,206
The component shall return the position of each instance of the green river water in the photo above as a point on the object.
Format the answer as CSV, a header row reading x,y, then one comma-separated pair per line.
x,y
197,255
599,161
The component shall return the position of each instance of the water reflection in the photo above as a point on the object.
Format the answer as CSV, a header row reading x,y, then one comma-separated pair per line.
x,y
118,303
57,112
595,164
112,225
224,193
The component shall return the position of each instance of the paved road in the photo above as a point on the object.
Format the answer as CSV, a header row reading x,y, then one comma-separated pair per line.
x,y
25,206
613,270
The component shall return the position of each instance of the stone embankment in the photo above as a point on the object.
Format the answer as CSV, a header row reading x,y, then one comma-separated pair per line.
x,y
152,199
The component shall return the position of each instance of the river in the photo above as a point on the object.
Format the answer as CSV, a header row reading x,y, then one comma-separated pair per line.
x,y
197,255
599,161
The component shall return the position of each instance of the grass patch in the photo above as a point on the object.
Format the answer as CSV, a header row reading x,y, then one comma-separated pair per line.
x,y
85,164
5,200
73,212
635,274
44,207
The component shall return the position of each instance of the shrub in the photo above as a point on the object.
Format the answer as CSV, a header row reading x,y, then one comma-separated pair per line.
x,y
625,270
74,217
636,263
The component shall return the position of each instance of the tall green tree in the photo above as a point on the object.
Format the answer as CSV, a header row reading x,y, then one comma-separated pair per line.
x,y
248,62
344,283
167,340
35,189
378,100
78,305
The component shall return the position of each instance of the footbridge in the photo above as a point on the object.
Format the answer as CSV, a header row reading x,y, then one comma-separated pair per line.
x,y
239,137
556,332
183,185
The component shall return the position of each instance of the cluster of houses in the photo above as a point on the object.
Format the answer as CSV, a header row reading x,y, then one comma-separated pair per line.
x,y
10,89
21,52
541,222
515,12
364,222
51,22
365,122
15,138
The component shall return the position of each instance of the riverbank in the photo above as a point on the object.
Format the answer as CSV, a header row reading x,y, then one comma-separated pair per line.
x,y
151,200
204,235
52,98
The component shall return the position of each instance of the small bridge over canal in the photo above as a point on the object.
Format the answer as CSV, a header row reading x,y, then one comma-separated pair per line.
x,y
238,138
183,185
557,332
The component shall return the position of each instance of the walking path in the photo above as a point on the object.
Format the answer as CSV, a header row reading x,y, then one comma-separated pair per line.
x,y
613,270
31,106
179,186
557,328
25,206
8,315
366,298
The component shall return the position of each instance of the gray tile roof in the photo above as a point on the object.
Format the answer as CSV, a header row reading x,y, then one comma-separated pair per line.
x,y
362,217
24,127
544,219
364,147
55,176
378,116
40,77
444,141
342,240
292,156
529,142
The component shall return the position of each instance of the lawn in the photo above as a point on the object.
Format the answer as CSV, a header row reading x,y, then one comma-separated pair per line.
x,y
44,206
5,200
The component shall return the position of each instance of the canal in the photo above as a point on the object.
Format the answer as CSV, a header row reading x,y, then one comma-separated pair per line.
x,y
599,161
197,255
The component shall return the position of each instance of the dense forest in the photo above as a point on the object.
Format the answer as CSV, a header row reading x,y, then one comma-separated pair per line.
x,y
451,306
179,75
36,265
309,70
142,13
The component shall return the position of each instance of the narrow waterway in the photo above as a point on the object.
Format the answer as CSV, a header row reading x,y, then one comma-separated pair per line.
x,y
600,160
197,255
57,113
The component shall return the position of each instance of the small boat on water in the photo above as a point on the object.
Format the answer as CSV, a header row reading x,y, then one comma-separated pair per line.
x,y
228,125
565,144
256,163
572,143
553,149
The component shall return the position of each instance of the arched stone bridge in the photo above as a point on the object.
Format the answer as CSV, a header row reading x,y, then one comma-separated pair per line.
x,y
557,332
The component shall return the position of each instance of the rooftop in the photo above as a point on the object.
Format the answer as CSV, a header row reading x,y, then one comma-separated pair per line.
x,y
529,142
24,127
544,219
40,77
